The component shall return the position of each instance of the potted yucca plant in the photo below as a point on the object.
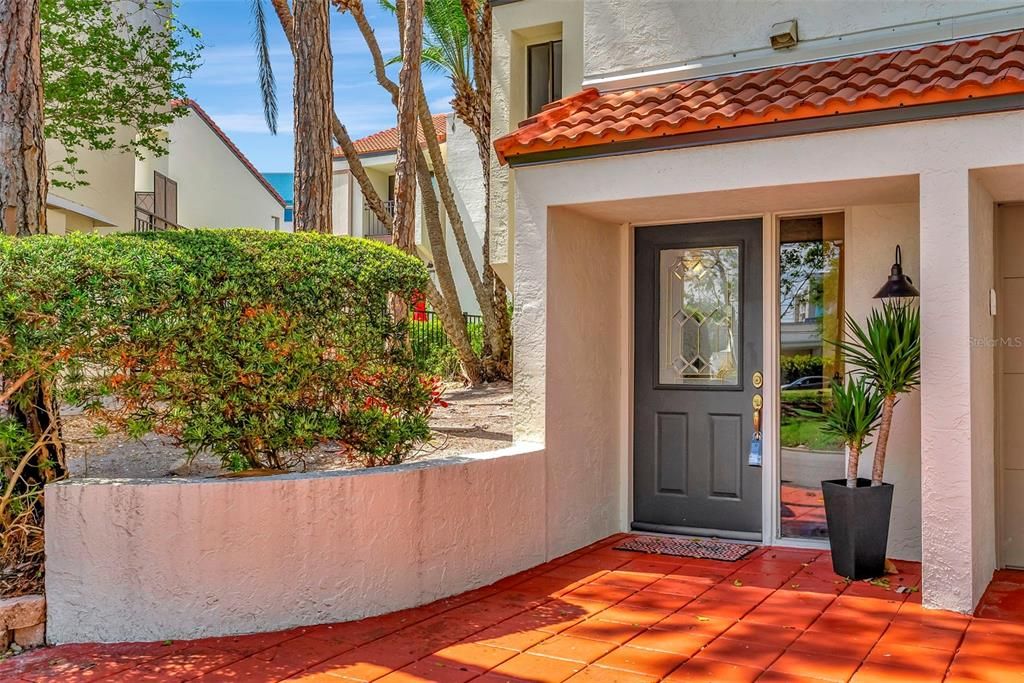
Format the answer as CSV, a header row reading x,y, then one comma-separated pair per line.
x,y
884,356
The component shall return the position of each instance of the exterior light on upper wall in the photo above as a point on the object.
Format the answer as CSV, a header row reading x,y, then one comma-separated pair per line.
x,y
898,285
784,34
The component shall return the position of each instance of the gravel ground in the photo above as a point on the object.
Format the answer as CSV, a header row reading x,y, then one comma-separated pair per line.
x,y
475,420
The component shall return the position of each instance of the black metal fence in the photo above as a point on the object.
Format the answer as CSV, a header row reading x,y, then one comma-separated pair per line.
x,y
427,333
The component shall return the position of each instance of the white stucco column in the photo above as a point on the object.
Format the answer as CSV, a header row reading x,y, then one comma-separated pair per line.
x,y
355,226
957,489
529,321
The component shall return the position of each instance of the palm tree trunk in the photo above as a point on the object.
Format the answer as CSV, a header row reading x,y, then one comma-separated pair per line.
x,y
477,115
355,8
884,425
852,464
484,295
314,107
23,179
446,301
410,17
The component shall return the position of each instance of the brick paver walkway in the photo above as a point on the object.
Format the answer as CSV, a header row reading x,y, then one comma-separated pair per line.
x,y
605,615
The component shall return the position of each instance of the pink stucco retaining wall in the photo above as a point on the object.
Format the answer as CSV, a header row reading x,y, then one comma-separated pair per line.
x,y
157,559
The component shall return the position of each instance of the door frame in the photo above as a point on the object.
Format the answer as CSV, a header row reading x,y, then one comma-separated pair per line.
x,y
770,495
738,234
997,384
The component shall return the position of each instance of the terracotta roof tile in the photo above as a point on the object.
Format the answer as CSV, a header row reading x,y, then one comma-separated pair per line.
x,y
949,72
194,106
387,140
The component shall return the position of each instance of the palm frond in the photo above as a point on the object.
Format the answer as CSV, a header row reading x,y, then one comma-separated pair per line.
x,y
433,60
268,86
854,410
447,47
887,348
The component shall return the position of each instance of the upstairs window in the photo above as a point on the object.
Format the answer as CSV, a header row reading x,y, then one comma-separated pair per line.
x,y
544,74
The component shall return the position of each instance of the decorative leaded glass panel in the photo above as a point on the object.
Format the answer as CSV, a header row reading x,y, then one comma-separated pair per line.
x,y
699,318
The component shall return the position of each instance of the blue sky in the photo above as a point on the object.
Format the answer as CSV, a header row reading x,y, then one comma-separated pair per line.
x,y
226,84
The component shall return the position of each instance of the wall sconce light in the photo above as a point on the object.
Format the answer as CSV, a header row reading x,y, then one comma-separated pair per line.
x,y
898,285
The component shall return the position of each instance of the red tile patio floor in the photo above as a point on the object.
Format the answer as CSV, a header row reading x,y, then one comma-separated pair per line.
x,y
601,614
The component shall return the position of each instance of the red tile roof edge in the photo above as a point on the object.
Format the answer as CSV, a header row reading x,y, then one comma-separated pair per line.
x,y
387,140
194,106
951,71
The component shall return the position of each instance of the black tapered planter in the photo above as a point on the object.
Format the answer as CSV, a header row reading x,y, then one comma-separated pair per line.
x,y
858,526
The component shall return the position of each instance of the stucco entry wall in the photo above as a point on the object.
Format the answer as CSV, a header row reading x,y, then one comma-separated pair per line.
x,y
587,382
153,560
872,233
848,168
957,387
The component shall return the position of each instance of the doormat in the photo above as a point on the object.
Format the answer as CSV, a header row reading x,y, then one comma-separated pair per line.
x,y
700,548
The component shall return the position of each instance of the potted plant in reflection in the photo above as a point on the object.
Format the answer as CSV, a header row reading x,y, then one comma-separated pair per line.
x,y
884,361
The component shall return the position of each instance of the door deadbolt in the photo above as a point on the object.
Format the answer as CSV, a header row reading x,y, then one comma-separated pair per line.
x,y
757,380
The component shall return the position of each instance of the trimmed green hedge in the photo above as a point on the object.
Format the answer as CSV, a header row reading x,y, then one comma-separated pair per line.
x,y
253,345
800,365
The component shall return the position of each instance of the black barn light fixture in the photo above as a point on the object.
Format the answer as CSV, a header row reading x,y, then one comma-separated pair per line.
x,y
898,285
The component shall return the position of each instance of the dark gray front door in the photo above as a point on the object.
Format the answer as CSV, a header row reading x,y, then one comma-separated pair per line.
x,y
698,345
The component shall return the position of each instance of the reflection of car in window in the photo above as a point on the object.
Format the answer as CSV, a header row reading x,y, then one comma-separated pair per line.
x,y
807,383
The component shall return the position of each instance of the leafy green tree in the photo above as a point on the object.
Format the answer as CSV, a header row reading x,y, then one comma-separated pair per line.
x,y
111,72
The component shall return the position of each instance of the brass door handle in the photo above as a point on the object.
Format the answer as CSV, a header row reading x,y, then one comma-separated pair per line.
x,y
754,458
757,379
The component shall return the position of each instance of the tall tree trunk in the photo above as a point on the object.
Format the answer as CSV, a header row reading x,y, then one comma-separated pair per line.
x,y
284,14
410,17
446,301
882,443
314,109
23,180
370,195
23,191
852,464
451,318
476,113
447,298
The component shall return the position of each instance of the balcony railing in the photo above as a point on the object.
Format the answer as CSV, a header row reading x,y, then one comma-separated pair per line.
x,y
150,222
372,226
